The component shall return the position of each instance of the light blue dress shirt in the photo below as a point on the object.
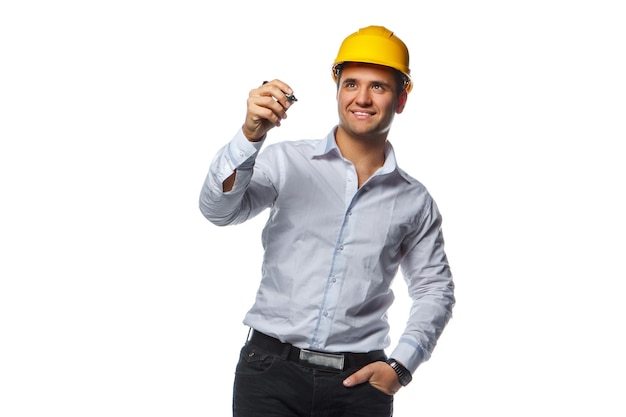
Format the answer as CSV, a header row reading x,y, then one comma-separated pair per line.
x,y
332,249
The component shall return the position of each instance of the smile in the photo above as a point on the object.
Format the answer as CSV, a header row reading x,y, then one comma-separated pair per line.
x,y
362,114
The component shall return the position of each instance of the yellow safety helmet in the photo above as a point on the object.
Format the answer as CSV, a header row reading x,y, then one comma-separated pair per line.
x,y
375,45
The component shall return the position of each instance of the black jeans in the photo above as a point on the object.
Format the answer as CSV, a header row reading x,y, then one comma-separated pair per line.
x,y
268,385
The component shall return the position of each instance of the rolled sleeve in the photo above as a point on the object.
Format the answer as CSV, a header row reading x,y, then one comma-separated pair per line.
x,y
431,287
239,155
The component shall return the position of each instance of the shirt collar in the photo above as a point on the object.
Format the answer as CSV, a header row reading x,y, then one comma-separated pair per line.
x,y
329,145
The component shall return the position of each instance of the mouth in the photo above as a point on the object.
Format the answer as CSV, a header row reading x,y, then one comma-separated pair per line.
x,y
359,114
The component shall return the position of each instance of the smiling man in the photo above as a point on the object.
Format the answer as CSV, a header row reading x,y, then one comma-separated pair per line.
x,y
344,219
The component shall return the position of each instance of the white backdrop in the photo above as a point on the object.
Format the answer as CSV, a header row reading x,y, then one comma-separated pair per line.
x,y
117,298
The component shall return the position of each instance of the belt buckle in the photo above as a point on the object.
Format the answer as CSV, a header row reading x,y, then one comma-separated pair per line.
x,y
327,360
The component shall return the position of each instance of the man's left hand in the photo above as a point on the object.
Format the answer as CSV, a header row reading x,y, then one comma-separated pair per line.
x,y
379,374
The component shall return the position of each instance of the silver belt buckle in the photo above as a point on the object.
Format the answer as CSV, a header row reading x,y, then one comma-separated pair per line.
x,y
327,360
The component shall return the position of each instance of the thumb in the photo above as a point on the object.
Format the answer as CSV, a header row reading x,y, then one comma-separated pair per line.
x,y
359,377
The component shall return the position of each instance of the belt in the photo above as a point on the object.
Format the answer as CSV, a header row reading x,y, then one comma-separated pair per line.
x,y
312,358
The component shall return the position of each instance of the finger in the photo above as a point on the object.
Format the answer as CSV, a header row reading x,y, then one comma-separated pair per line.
x,y
359,377
266,99
280,91
278,84
267,107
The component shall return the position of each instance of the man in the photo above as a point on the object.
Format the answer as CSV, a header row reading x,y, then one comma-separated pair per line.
x,y
343,219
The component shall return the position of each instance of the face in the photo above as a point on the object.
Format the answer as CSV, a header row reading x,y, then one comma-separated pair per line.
x,y
367,100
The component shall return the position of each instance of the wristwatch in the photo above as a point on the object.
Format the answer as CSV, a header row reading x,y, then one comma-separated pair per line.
x,y
404,376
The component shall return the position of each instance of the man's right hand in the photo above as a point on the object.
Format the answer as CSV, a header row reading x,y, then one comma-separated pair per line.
x,y
267,106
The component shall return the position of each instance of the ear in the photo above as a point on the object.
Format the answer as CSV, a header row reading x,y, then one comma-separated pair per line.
x,y
402,101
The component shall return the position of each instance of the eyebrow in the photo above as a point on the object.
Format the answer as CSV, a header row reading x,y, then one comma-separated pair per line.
x,y
355,81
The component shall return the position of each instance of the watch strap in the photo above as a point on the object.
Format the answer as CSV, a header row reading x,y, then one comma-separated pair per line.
x,y
404,375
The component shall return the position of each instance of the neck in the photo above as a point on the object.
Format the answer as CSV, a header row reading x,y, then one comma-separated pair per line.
x,y
366,154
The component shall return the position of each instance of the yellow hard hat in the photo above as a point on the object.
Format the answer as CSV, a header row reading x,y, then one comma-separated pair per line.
x,y
375,45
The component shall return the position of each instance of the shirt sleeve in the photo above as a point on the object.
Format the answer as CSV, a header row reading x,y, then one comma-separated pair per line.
x,y
235,206
427,273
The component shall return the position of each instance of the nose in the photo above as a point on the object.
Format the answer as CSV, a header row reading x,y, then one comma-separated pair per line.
x,y
363,97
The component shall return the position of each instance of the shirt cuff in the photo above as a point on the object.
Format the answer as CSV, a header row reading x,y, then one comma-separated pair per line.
x,y
410,354
238,154
243,152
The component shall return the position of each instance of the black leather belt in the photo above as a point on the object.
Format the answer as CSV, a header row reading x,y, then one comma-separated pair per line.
x,y
312,358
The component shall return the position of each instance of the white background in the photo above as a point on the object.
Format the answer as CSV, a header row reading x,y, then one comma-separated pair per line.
x,y
117,298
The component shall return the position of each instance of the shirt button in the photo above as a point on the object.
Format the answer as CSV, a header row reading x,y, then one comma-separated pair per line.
x,y
241,154
333,280
325,313
340,247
